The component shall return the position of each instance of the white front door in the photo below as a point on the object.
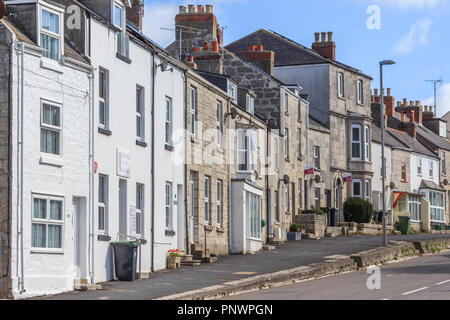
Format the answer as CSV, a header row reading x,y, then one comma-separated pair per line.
x,y
79,219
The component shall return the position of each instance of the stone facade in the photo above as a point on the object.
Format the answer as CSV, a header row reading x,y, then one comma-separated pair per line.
x,y
205,158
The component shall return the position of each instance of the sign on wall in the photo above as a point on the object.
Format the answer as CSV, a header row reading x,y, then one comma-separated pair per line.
x,y
123,162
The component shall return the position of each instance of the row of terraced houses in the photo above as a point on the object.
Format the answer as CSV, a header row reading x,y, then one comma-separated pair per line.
x,y
204,147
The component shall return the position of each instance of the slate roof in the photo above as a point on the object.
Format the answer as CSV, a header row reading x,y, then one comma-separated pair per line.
x,y
427,184
432,137
287,51
316,125
389,140
411,143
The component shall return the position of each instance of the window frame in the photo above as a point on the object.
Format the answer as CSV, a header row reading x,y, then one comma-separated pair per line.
x,y
248,150
207,200
219,195
356,142
104,99
249,104
317,197
219,123
403,172
60,36
299,143
434,208
368,190
52,128
168,121
168,195
48,221
443,161
341,85
276,154
193,107
286,198
419,166
416,215
140,113
254,217
360,188
140,209
316,156
286,143
367,136
360,91
299,194
118,5
431,169
104,204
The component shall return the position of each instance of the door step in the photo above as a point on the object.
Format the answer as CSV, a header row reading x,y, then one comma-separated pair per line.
x,y
191,263
268,248
210,259
86,287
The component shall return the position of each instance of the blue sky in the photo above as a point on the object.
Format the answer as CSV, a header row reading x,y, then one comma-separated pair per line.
x,y
415,33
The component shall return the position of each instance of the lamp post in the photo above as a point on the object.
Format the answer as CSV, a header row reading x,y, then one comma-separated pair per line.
x,y
383,161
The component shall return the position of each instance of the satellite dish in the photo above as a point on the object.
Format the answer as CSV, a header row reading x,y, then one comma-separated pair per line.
x,y
392,185
2,9
234,113
317,179
286,179
446,182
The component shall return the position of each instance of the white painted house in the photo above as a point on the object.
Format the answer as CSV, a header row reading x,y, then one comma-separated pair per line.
x,y
49,109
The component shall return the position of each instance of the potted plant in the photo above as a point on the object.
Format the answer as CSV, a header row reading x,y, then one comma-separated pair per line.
x,y
174,259
294,233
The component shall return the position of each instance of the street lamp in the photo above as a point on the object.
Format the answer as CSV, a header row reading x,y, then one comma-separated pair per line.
x,y
383,161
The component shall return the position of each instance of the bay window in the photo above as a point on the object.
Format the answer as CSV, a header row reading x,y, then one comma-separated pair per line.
x,y
415,208
356,142
367,143
437,206
253,204
47,222
357,188
51,128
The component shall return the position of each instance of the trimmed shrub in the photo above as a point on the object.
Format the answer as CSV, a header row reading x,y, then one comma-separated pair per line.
x,y
295,227
358,210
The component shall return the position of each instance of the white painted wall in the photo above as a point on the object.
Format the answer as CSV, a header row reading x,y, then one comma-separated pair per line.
x,y
416,179
377,182
123,79
48,271
169,165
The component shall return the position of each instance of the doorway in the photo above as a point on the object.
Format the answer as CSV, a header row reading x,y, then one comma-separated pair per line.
x,y
79,224
180,218
123,214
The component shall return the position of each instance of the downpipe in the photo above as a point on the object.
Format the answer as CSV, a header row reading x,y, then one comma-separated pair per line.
x,y
152,229
91,226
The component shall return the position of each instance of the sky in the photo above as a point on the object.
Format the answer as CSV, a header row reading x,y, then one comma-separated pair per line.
x,y
414,33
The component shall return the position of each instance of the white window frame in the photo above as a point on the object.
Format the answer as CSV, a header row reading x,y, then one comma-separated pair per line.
x,y
316,155
47,221
276,205
443,164
118,5
368,190
434,208
53,128
193,111
341,85
431,169
356,142
60,13
140,206
250,104
246,152
219,203
415,208
140,113
442,129
168,192
168,121
253,202
103,205
299,193
103,99
286,143
232,91
317,197
360,188
299,143
207,200
360,91
219,123
275,153
419,166
367,143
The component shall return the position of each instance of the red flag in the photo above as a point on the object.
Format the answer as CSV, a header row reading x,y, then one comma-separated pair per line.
x,y
309,170
347,177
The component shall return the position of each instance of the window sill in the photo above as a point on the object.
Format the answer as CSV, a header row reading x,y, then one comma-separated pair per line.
x,y
168,147
141,143
103,238
51,161
47,251
123,58
170,233
51,65
220,230
287,160
341,98
209,228
105,132
299,120
195,140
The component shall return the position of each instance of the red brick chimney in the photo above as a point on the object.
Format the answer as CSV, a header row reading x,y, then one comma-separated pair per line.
x,y
389,102
324,47
135,14
264,59
411,126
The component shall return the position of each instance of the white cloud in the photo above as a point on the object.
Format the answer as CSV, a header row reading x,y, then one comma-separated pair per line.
x,y
406,4
443,100
417,36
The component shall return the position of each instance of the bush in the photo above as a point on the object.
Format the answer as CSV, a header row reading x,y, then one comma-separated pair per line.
x,y
295,227
358,210
263,223
314,210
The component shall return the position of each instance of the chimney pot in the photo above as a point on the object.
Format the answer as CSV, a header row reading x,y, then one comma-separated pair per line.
x,y
389,91
206,46
260,47
324,37
403,116
376,92
200,8
411,103
399,103
215,46
405,102
330,36
431,109
317,37
209,8
417,103
191,8
426,108
197,49
412,116
252,48
183,9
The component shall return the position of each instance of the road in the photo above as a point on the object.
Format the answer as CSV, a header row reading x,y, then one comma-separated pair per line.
x,y
425,278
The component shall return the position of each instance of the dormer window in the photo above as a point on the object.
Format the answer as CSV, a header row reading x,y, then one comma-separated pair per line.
x,y
442,129
118,15
51,33
250,104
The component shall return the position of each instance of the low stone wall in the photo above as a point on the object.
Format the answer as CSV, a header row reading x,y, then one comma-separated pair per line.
x,y
384,255
312,223
373,229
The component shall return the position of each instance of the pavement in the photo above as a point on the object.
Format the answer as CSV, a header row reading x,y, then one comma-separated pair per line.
x,y
237,267
424,278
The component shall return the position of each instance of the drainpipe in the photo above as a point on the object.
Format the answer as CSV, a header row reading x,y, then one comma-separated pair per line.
x,y
91,160
284,163
308,198
152,229
186,187
228,154
20,105
268,206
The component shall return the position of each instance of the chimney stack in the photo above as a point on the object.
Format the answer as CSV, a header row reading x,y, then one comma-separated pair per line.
x,y
264,59
191,8
389,102
403,116
135,13
183,10
209,8
200,9
324,47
